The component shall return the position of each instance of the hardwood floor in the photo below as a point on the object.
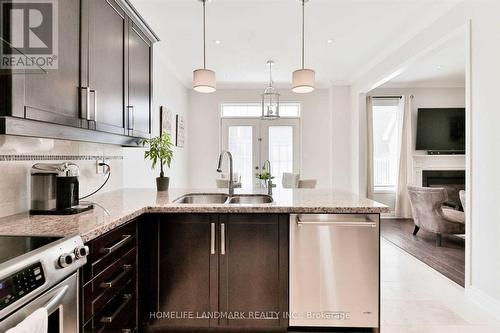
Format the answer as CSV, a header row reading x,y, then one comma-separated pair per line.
x,y
449,259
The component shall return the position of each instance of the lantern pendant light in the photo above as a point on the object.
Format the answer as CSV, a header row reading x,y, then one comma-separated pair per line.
x,y
270,98
204,79
303,79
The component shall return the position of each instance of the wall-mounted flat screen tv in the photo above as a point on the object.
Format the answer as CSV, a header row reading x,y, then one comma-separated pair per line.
x,y
441,130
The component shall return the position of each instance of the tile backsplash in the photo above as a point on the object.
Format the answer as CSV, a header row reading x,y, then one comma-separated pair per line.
x,y
18,154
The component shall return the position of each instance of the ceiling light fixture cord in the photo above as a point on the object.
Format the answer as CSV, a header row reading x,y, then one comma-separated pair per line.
x,y
270,74
204,39
303,31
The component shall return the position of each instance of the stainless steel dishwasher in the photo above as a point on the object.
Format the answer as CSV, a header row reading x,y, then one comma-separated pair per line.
x,y
334,270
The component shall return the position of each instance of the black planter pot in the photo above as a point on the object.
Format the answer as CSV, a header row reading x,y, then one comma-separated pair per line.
x,y
162,183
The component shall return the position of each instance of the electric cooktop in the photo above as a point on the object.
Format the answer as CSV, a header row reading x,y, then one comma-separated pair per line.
x,y
15,246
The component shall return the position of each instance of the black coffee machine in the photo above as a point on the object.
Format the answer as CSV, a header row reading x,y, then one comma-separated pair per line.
x,y
55,189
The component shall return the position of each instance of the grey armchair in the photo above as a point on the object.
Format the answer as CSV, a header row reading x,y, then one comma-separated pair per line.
x,y
428,212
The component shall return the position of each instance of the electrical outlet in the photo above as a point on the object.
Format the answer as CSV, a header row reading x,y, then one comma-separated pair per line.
x,y
100,169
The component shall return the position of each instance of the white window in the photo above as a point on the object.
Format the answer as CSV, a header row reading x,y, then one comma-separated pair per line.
x,y
253,140
240,143
387,123
280,152
253,110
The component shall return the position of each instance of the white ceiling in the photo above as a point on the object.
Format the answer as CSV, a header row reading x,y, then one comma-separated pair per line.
x,y
252,32
443,66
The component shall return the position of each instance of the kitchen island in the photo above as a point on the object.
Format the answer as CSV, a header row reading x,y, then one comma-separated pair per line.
x,y
308,259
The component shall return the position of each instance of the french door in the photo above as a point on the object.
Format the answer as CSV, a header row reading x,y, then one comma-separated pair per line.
x,y
252,141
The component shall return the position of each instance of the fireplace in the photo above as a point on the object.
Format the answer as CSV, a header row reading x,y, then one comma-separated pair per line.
x,y
452,180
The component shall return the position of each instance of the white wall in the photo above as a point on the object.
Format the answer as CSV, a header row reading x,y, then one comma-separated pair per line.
x,y
340,100
484,135
204,133
485,157
169,92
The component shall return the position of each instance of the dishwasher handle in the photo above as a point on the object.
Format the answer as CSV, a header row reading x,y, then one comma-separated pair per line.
x,y
345,223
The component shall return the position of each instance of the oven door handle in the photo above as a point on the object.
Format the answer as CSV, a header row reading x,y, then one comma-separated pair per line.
x,y
54,301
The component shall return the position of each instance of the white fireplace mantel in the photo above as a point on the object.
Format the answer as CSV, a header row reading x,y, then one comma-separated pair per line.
x,y
435,162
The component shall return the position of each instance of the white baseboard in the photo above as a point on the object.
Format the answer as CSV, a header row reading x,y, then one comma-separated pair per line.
x,y
485,301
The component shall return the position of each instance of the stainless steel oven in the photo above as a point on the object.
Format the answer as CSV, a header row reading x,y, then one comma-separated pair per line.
x,y
334,270
40,272
61,303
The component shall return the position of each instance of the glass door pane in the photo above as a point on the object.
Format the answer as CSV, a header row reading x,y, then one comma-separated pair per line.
x,y
280,151
281,146
251,141
240,144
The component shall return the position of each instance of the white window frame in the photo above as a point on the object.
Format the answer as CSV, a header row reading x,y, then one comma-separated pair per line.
x,y
226,121
221,109
381,189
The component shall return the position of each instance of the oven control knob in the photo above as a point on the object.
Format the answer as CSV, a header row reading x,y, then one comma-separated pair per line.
x,y
81,252
66,260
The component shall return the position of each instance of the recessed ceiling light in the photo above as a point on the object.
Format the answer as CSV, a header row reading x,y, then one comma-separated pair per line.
x,y
439,67
329,41
217,41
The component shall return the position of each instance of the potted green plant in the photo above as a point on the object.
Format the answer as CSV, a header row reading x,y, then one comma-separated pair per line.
x,y
160,151
264,177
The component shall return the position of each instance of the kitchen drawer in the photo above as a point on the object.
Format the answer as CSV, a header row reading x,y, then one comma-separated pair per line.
x,y
107,249
101,289
119,315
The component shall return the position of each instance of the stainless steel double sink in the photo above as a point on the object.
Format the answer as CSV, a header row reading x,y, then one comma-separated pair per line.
x,y
221,198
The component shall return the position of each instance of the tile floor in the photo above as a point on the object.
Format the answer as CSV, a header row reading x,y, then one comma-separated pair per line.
x,y
418,299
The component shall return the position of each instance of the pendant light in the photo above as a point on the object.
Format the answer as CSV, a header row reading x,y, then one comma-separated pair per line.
x,y
270,98
303,79
204,79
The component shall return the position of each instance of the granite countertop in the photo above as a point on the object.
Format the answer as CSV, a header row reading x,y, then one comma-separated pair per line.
x,y
117,207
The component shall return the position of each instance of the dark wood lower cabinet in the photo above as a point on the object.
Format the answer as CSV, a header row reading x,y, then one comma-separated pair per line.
x,y
188,272
109,284
187,283
217,270
254,269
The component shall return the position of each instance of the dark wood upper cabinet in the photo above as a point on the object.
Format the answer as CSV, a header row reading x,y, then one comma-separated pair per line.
x,y
101,89
105,86
139,83
51,95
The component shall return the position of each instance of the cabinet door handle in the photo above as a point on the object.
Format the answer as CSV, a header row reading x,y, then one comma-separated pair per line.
x,y
87,102
223,238
119,244
126,300
94,115
112,283
131,119
212,238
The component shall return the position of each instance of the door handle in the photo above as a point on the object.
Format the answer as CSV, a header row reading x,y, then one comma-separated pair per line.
x,y
55,300
212,238
131,120
223,239
335,223
87,102
94,116
112,283
110,319
119,244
